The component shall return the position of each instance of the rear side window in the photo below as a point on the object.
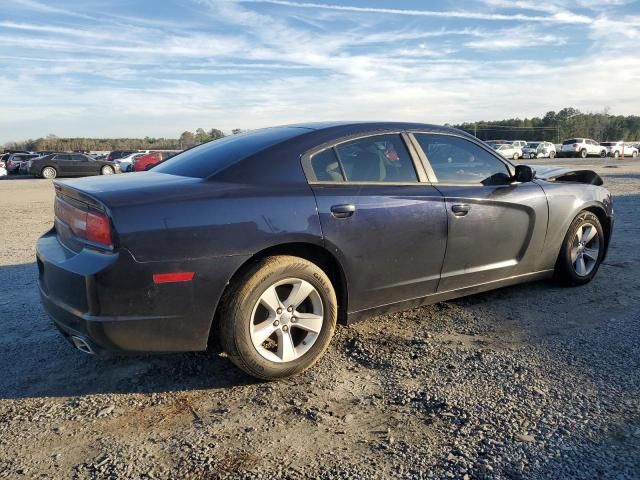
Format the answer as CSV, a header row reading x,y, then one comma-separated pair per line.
x,y
570,141
326,167
212,157
62,157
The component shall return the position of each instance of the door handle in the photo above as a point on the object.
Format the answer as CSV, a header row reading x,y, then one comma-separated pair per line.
x,y
343,211
460,210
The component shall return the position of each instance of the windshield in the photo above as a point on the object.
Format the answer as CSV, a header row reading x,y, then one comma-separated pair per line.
x,y
205,160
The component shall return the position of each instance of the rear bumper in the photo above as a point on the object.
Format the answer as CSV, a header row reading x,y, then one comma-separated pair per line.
x,y
109,300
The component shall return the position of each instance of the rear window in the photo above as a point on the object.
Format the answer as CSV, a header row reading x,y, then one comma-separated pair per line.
x,y
532,145
571,140
607,144
205,160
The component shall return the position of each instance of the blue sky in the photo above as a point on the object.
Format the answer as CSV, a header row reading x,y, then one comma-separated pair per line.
x,y
119,68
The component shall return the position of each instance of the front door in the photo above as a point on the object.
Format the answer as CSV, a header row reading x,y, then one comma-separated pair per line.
x,y
496,227
387,227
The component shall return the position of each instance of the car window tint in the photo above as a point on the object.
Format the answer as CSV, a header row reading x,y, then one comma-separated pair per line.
x,y
62,157
212,157
326,167
456,160
78,158
380,158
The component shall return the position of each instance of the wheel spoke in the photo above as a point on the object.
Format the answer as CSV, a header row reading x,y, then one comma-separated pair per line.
x,y
262,331
309,322
579,234
581,268
592,253
301,290
589,234
271,300
574,254
286,350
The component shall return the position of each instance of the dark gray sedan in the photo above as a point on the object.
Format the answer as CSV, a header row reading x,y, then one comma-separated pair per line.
x,y
70,165
264,241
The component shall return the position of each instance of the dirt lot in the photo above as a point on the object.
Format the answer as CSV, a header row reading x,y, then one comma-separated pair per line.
x,y
534,381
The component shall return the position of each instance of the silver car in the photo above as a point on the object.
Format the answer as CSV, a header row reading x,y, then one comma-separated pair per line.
x,y
508,150
539,150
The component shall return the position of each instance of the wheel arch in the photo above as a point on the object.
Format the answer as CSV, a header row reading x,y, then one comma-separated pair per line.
x,y
309,251
605,221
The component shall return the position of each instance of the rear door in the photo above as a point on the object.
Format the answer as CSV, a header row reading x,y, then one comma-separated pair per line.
x,y
62,163
496,228
380,216
81,166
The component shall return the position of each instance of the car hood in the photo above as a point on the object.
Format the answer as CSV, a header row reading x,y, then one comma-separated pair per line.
x,y
553,173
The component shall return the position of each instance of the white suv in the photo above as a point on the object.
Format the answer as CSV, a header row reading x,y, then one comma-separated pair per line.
x,y
615,149
582,147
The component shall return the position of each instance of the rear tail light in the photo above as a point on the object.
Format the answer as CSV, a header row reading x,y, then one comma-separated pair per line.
x,y
91,226
575,145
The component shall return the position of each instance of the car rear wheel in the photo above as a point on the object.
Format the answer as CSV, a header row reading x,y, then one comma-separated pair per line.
x,y
603,154
582,250
552,154
279,318
634,154
516,156
616,154
107,170
583,153
49,173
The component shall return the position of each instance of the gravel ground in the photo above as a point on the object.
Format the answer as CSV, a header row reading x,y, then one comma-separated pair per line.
x,y
533,381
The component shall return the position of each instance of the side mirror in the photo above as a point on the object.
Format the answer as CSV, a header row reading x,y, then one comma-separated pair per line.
x,y
523,174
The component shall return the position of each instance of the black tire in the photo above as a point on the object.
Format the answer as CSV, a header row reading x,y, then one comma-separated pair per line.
x,y
634,155
516,156
238,307
583,153
565,271
603,154
552,154
616,154
49,173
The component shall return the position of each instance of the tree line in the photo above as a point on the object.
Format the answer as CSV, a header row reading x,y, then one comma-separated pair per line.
x,y
54,143
558,126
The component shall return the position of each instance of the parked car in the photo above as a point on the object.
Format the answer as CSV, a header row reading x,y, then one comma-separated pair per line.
x,y
15,160
508,151
617,149
70,165
116,154
539,150
263,240
582,147
145,162
126,163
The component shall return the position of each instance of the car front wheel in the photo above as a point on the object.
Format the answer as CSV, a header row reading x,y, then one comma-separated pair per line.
x,y
582,250
279,318
107,170
49,173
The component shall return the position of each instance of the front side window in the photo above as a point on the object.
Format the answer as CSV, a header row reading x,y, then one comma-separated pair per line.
x,y
62,157
78,158
456,160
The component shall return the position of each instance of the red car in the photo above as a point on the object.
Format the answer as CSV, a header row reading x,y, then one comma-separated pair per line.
x,y
149,160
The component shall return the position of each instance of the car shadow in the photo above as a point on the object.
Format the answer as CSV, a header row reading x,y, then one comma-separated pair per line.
x,y
37,361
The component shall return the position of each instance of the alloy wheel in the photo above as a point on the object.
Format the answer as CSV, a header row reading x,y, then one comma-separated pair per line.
x,y
286,320
49,172
585,249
